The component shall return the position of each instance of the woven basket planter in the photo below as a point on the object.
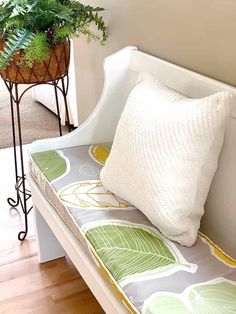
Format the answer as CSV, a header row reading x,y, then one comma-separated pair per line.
x,y
55,67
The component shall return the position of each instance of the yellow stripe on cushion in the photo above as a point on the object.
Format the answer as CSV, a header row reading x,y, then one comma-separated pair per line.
x,y
217,252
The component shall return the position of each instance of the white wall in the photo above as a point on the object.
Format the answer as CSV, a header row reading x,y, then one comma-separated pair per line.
x,y
197,34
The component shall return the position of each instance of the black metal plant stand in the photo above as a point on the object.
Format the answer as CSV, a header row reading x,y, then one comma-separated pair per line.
x,y
22,193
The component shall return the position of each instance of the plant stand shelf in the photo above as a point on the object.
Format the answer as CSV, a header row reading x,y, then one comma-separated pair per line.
x,y
23,194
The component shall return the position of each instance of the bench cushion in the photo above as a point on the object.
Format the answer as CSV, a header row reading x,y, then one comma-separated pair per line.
x,y
150,273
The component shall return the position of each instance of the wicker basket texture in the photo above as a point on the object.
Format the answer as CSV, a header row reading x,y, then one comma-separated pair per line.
x,y
55,67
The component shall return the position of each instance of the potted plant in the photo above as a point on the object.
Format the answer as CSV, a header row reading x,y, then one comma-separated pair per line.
x,y
34,44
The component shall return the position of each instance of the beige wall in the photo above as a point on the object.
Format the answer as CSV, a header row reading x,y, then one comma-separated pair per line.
x,y
197,34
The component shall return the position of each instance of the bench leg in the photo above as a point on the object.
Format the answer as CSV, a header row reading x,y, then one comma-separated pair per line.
x,y
48,246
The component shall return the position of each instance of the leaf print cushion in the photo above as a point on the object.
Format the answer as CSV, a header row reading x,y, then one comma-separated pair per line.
x,y
91,194
53,164
214,297
99,153
133,252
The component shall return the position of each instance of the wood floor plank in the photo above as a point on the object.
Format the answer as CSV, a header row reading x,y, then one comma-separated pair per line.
x,y
70,297
27,287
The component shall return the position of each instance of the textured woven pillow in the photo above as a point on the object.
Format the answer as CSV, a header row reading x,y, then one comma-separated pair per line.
x,y
164,155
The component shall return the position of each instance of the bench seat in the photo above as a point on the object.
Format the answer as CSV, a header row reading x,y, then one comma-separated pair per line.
x,y
149,273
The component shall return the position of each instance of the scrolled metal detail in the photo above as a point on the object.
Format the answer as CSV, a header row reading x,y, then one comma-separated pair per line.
x,y
22,193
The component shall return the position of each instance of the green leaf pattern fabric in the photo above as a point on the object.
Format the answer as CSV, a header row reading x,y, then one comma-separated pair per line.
x,y
52,164
132,252
215,297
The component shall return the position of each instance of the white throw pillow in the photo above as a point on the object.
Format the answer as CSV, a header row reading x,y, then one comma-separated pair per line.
x,y
164,155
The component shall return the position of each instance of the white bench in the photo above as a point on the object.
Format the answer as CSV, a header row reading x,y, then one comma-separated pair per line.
x,y
121,71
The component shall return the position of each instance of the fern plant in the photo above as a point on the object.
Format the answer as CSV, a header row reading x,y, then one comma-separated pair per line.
x,y
36,25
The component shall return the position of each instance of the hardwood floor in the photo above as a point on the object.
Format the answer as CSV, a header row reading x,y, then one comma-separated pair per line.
x,y
25,285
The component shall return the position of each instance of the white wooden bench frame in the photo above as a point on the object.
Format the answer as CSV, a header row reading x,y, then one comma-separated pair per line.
x,y
121,70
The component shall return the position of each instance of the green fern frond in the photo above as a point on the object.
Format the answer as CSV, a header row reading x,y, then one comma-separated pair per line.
x,y
14,23
61,33
20,40
35,25
38,50
53,7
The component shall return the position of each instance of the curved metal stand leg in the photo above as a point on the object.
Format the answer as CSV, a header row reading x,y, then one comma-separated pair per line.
x,y
11,201
58,109
22,234
22,193
64,92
